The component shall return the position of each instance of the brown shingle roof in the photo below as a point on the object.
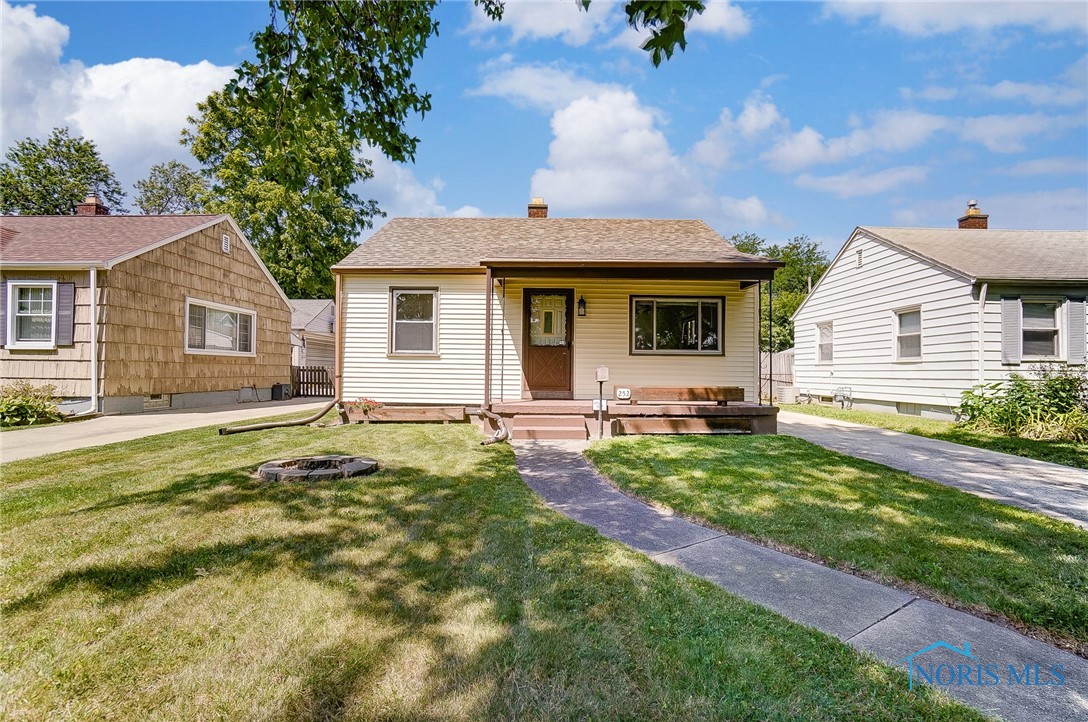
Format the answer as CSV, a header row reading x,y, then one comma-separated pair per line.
x,y
88,239
996,254
465,242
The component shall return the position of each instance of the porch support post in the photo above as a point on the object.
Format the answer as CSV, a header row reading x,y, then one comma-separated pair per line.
x,y
487,336
759,343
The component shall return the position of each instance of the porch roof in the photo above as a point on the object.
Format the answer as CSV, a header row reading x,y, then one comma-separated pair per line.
x,y
753,270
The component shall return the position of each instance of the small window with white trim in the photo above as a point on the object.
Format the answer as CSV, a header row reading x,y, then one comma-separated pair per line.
x,y
413,321
213,328
32,318
1040,329
825,343
908,336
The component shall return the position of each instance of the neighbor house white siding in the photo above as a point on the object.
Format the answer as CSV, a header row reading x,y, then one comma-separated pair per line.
x,y
456,374
861,304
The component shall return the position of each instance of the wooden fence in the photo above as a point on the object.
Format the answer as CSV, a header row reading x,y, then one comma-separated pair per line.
x,y
311,381
782,369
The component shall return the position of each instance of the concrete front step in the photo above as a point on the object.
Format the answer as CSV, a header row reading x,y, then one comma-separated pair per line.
x,y
532,426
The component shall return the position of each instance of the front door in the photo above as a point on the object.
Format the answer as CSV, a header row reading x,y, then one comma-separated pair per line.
x,y
549,326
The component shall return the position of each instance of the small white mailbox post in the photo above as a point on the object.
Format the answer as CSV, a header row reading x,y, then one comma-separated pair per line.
x,y
602,376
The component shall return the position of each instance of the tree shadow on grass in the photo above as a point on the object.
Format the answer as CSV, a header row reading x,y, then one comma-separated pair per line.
x,y
867,516
501,608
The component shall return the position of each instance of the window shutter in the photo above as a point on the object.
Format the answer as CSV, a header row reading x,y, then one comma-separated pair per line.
x,y
1010,330
1076,331
3,313
66,311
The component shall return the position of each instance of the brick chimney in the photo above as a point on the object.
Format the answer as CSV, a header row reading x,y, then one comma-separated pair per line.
x,y
92,206
538,208
974,218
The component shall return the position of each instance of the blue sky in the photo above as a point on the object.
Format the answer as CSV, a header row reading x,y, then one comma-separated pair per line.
x,y
781,118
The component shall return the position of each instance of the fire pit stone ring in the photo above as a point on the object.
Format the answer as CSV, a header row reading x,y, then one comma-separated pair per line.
x,y
317,468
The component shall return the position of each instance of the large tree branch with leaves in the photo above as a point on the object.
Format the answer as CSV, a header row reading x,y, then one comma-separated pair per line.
x,y
294,202
51,177
352,61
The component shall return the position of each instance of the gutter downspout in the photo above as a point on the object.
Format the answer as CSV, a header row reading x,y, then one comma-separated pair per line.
x,y
93,273
981,333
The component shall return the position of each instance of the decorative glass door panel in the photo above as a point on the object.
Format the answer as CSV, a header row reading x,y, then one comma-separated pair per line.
x,y
548,321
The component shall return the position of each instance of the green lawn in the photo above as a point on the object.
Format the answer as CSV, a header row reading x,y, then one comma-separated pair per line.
x,y
157,579
859,515
1058,452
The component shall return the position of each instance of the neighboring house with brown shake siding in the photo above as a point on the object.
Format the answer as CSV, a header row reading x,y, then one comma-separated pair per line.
x,y
178,311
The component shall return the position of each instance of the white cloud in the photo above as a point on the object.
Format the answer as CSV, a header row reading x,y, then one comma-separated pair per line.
x,y
36,86
854,183
133,110
545,87
1007,133
721,18
719,142
1071,89
608,157
934,18
400,193
1059,209
1068,165
932,93
543,19
892,131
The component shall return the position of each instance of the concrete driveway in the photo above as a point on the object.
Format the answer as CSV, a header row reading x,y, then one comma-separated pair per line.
x,y
1051,489
28,443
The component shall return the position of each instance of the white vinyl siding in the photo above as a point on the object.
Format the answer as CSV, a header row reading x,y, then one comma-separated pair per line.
x,y
862,304
602,336
456,376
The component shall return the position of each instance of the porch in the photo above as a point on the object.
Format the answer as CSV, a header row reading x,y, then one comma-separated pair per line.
x,y
578,419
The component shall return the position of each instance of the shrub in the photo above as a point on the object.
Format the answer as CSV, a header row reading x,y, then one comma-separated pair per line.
x,y
22,403
1051,405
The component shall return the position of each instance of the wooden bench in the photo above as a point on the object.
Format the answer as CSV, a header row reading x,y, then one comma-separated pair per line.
x,y
721,394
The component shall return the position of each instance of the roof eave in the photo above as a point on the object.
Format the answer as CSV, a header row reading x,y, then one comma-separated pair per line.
x,y
54,265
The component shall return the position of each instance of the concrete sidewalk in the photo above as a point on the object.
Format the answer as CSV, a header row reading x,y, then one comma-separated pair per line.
x,y
888,623
31,442
1051,489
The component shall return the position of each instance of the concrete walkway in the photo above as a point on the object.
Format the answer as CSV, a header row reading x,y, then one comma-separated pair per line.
x,y
28,443
889,623
1051,489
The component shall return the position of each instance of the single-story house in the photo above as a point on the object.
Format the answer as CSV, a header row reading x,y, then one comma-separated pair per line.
x,y
130,313
906,319
312,339
487,312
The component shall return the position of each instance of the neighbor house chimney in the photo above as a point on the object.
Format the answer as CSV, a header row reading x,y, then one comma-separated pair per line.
x,y
974,218
538,208
92,206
